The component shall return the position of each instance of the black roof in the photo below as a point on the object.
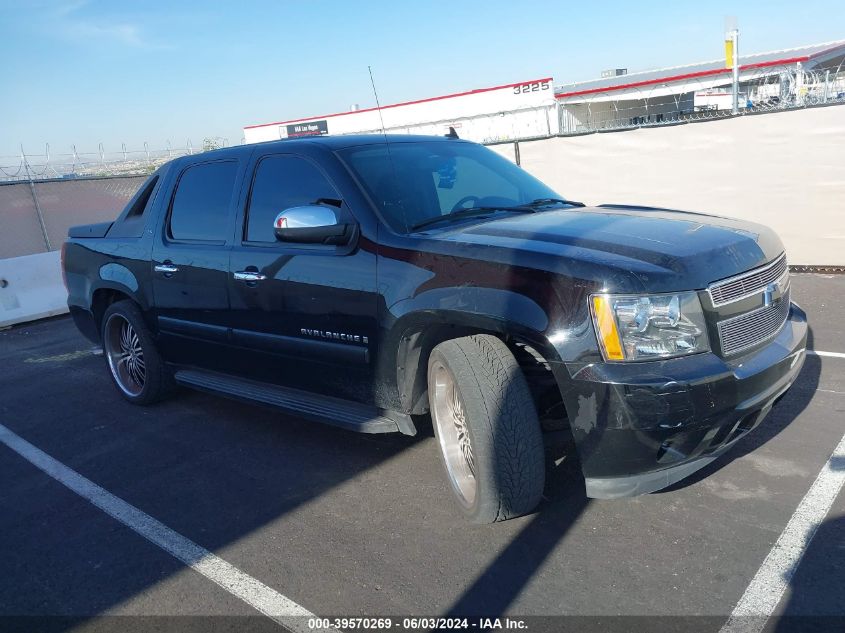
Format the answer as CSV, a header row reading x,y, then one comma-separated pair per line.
x,y
354,140
330,142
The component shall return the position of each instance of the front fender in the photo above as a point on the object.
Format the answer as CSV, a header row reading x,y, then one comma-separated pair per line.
x,y
470,303
417,324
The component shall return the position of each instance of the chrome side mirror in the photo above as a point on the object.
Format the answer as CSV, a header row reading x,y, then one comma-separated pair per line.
x,y
311,224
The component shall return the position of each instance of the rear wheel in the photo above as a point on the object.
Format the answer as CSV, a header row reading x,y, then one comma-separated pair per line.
x,y
136,367
486,427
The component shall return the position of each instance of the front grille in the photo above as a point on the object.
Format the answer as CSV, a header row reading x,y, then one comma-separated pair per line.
x,y
752,328
747,284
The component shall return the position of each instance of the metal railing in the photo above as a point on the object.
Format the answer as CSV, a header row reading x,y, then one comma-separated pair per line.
x,y
766,90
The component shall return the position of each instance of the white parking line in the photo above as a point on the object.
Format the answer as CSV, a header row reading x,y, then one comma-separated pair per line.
x,y
771,580
816,352
241,585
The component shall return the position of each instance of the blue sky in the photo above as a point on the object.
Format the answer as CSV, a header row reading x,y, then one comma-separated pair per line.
x,y
86,72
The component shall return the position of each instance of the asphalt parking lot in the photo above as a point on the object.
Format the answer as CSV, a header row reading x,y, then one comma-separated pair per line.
x,y
354,525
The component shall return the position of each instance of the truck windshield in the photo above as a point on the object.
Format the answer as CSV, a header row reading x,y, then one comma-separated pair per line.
x,y
415,182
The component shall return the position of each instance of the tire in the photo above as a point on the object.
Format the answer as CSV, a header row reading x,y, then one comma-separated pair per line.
x,y
486,428
135,365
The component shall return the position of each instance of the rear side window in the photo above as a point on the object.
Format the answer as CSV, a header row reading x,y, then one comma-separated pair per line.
x,y
139,206
282,182
131,221
200,208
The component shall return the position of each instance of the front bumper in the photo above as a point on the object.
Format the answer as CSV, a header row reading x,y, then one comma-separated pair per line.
x,y
640,427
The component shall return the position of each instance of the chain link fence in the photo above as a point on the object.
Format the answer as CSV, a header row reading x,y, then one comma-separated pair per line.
x,y
36,215
42,195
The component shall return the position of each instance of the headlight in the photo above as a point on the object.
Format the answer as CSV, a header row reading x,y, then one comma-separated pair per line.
x,y
632,327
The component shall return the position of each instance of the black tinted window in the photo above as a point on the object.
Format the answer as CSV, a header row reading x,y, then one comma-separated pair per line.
x,y
140,202
131,221
201,204
282,182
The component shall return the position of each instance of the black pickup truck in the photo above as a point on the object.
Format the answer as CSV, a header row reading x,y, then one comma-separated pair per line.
x,y
366,281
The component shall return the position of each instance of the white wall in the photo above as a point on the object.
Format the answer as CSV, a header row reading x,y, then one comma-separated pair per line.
x,y
520,110
785,170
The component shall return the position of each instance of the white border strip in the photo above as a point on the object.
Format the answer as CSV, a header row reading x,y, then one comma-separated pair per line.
x,y
762,596
241,585
831,354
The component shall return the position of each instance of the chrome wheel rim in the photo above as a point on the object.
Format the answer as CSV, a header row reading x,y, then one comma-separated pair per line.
x,y
125,355
449,416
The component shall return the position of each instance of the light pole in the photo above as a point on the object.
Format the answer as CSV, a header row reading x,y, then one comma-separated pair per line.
x,y
732,58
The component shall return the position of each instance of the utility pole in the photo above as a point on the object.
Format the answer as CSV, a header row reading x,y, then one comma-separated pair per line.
x,y
732,58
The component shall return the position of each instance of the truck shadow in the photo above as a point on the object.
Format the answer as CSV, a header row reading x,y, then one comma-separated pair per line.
x,y
214,470
217,472
815,598
500,583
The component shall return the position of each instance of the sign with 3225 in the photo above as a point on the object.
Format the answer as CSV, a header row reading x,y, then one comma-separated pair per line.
x,y
536,86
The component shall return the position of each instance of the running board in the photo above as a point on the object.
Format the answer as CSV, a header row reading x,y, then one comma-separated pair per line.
x,y
345,414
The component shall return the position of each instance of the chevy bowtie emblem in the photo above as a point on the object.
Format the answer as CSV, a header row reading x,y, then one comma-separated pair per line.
x,y
773,291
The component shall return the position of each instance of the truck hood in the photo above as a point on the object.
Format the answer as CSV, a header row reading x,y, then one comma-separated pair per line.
x,y
665,250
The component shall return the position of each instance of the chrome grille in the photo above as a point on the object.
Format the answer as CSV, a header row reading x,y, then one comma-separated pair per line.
x,y
747,284
752,328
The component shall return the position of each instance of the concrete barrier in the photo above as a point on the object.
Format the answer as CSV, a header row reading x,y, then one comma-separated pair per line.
x,y
31,287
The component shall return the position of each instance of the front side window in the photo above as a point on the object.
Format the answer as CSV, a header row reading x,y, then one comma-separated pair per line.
x,y
201,204
411,182
282,182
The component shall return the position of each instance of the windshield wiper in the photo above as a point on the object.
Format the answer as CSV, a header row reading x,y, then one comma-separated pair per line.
x,y
544,202
467,213
528,207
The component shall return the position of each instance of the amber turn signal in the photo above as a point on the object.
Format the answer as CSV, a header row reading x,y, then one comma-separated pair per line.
x,y
608,334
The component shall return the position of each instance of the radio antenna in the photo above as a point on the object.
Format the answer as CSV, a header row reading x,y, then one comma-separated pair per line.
x,y
378,105
387,145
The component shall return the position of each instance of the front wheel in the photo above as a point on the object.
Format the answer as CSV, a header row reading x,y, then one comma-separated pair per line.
x,y
486,427
136,368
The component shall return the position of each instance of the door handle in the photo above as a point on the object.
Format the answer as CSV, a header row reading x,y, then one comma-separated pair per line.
x,y
249,275
167,269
